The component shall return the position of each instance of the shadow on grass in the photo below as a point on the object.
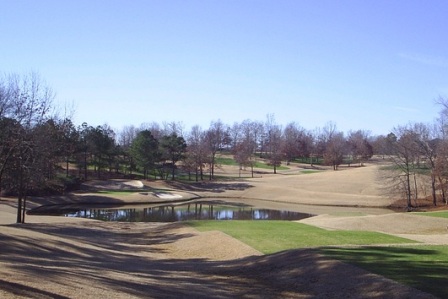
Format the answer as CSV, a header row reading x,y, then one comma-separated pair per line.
x,y
34,202
422,267
127,260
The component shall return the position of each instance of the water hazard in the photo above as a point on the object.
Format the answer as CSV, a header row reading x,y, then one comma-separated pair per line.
x,y
174,213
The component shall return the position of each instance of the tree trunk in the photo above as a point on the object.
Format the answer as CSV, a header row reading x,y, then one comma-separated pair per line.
x,y
415,189
85,165
442,189
24,209
20,193
213,168
433,189
19,209
408,191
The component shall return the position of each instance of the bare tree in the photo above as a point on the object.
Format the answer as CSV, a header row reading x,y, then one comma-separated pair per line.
x,y
406,152
245,144
243,153
215,138
251,132
297,142
441,160
197,150
330,144
235,134
6,99
443,117
335,148
173,127
427,144
441,168
380,146
291,144
321,138
125,138
359,146
274,144
70,137
25,103
127,135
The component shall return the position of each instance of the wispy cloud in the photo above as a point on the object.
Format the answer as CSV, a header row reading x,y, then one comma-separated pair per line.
x,y
426,59
406,109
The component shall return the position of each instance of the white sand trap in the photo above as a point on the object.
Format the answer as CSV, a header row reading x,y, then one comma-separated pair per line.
x,y
115,184
168,196
134,184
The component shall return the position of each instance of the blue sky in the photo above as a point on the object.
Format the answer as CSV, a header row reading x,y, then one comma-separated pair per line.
x,y
369,65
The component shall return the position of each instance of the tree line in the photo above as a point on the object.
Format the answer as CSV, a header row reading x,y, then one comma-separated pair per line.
x,y
419,153
40,151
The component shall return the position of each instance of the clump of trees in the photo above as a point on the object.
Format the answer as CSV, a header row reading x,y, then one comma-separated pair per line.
x,y
419,153
43,152
29,136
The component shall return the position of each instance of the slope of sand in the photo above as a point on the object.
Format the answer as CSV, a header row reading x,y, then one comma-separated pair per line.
x,y
348,187
57,257
353,186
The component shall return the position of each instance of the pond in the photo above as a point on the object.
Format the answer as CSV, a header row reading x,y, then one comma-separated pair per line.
x,y
171,213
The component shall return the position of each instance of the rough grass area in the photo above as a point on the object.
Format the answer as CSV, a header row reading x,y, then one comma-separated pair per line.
x,y
274,236
422,267
440,214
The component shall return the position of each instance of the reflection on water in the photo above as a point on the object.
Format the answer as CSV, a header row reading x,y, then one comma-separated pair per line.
x,y
193,211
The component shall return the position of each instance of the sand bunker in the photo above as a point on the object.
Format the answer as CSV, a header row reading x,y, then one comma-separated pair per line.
x,y
168,196
115,184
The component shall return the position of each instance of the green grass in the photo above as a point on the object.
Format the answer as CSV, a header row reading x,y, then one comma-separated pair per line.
x,y
257,164
308,171
226,161
307,160
266,166
422,267
274,236
440,214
